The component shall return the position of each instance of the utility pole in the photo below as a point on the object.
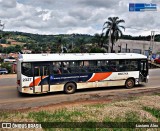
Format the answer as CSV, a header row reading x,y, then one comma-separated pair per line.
x,y
120,46
151,44
126,48
62,51
109,45
1,26
1,29
72,41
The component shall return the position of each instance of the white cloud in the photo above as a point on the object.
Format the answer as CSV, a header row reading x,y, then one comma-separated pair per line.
x,y
8,3
81,30
74,16
99,3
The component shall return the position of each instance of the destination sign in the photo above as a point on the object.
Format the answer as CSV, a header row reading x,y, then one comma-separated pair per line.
x,y
141,7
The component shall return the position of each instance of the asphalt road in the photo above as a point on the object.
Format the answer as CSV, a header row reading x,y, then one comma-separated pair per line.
x,y
10,98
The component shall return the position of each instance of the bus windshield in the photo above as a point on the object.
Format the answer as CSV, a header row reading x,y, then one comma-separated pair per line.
x,y
27,69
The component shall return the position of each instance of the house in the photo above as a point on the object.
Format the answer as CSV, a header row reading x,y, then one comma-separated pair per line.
x,y
137,46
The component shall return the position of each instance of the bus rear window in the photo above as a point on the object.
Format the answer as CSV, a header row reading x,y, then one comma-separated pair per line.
x,y
27,69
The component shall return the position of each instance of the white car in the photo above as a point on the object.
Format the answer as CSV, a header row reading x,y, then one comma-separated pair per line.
x,y
3,71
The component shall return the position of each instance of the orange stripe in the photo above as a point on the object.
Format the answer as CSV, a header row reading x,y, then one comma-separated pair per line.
x,y
100,76
37,81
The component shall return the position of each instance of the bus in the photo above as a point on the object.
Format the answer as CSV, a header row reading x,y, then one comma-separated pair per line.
x,y
42,73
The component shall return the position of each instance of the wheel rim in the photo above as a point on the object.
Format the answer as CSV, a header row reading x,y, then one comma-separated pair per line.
x,y
130,83
69,88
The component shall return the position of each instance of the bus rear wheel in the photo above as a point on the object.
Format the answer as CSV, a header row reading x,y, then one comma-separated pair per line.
x,y
129,83
70,88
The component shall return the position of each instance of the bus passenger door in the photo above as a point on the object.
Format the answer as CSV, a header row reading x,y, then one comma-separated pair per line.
x,y
41,78
45,78
143,70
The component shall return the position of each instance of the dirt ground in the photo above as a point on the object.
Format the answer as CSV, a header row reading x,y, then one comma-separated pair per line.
x,y
96,99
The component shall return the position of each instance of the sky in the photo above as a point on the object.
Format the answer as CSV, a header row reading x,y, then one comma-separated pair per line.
x,y
76,16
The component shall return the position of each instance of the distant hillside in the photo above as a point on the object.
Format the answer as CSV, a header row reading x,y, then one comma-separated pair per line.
x,y
37,38
43,43
17,41
65,38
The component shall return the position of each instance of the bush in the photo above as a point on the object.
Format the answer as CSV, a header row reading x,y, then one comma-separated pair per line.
x,y
1,60
97,50
7,66
3,41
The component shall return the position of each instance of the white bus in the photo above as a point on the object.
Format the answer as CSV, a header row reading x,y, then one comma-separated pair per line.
x,y
41,73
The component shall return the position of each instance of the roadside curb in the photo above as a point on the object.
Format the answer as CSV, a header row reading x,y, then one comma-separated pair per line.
x,y
8,76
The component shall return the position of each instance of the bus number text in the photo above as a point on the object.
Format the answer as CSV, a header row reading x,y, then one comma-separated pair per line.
x,y
27,79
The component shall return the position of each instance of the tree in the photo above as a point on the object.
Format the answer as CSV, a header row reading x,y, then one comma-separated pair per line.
x,y
81,44
59,45
96,50
3,41
112,29
17,48
97,39
7,66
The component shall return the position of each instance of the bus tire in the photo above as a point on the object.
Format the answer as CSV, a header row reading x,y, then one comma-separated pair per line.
x,y
129,83
70,88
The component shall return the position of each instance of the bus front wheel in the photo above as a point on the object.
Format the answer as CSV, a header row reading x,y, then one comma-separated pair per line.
x,y
70,88
129,83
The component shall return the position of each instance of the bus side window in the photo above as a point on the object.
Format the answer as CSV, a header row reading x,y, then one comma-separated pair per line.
x,y
98,69
56,69
134,65
74,66
37,71
65,67
113,65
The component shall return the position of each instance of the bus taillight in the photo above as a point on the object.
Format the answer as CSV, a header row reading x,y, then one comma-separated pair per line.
x,y
18,82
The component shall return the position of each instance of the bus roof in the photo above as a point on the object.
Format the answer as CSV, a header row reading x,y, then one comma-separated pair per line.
x,y
78,56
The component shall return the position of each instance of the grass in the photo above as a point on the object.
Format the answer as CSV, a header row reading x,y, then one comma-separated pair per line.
x,y
132,117
158,94
95,105
4,115
58,116
129,117
142,109
153,111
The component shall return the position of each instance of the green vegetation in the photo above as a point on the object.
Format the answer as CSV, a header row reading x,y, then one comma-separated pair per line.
x,y
96,106
129,116
68,43
10,49
157,93
112,30
4,115
57,116
132,117
7,66
95,115
153,111
74,43
44,43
